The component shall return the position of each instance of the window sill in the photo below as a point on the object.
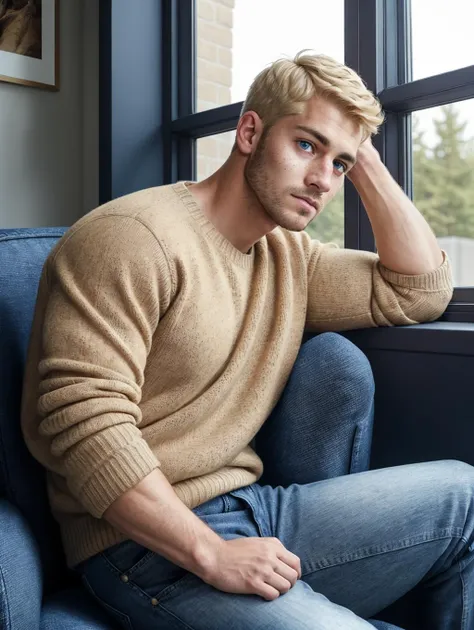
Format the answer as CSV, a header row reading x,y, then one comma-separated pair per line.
x,y
441,337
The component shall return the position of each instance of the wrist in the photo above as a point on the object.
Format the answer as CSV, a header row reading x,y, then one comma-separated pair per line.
x,y
205,555
368,161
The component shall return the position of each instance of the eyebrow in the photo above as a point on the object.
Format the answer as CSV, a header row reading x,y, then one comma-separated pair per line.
x,y
326,142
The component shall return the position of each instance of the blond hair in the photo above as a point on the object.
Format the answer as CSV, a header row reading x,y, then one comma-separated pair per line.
x,y
282,88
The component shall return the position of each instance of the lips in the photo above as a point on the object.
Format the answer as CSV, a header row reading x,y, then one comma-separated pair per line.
x,y
312,203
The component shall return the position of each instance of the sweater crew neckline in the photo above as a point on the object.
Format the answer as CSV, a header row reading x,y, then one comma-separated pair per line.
x,y
210,230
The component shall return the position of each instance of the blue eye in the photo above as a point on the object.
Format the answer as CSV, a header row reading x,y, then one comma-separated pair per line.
x,y
305,145
343,169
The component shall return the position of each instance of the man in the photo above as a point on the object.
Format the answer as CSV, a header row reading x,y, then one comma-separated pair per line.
x,y
167,326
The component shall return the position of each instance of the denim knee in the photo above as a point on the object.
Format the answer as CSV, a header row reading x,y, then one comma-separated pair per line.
x,y
456,479
331,360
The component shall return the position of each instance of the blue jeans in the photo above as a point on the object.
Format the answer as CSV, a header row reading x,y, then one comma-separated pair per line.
x,y
395,544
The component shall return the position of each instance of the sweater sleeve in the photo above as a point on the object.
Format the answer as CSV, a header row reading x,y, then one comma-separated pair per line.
x,y
350,289
109,281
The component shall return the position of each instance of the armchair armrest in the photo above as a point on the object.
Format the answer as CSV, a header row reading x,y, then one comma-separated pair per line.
x,y
21,580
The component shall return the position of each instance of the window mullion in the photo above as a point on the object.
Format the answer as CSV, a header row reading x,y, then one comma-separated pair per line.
x,y
179,93
365,25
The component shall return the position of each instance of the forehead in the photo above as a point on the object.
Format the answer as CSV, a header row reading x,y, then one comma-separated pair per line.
x,y
329,119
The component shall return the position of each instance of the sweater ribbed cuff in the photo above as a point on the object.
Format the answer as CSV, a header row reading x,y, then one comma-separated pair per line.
x,y
121,472
439,279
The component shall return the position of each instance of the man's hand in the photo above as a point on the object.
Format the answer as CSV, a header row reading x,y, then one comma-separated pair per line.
x,y
365,154
153,516
253,566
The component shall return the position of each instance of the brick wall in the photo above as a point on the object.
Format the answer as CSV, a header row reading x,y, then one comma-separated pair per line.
x,y
214,77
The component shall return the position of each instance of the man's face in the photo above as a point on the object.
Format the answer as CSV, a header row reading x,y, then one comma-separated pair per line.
x,y
299,164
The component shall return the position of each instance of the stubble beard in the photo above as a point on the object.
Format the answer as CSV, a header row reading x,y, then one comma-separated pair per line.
x,y
257,179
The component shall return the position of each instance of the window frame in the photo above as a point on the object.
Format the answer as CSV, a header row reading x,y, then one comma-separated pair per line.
x,y
377,38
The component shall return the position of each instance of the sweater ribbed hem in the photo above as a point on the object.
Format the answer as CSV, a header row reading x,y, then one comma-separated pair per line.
x,y
210,231
439,279
85,536
128,465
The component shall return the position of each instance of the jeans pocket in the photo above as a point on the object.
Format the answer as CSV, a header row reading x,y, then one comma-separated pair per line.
x,y
127,555
120,617
144,569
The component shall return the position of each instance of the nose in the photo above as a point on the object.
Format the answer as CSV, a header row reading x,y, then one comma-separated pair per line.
x,y
320,175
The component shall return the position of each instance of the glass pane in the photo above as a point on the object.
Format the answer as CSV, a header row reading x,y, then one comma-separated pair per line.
x,y
443,180
213,151
236,39
441,36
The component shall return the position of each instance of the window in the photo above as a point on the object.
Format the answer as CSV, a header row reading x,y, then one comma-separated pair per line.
x,y
442,36
443,180
238,38
212,152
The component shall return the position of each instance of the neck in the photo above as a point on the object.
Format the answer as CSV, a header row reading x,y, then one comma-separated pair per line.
x,y
231,205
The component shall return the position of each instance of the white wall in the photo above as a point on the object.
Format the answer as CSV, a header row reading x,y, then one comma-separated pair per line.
x,y
49,140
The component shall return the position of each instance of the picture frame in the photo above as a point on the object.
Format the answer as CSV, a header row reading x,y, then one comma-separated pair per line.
x,y
29,43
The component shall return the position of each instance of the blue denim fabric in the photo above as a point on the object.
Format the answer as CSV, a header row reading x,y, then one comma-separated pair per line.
x,y
72,609
365,539
20,572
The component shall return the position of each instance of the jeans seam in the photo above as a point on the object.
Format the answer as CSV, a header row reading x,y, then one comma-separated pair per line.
x,y
257,517
7,603
360,433
226,501
362,554
464,607
169,612
463,595
356,448
131,585
124,617
130,572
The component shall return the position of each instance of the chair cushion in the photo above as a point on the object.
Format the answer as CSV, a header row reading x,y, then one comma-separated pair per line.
x,y
20,572
74,609
22,479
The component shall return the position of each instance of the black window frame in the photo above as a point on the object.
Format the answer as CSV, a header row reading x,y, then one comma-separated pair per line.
x,y
377,37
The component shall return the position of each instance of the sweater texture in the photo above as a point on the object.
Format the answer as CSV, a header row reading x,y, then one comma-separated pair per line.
x,y
156,343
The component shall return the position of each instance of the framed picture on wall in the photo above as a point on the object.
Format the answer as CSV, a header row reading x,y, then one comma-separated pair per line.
x,y
29,42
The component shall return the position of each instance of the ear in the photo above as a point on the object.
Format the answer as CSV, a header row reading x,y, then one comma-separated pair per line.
x,y
249,131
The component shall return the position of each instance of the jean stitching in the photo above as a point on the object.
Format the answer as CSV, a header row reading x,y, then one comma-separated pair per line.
x,y
169,612
140,563
108,607
464,596
258,518
131,585
226,501
356,449
163,594
361,554
7,603
134,567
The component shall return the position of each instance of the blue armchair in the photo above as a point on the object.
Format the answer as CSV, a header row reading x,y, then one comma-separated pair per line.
x,y
36,589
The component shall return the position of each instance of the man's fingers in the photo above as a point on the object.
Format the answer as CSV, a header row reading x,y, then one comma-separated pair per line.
x,y
291,560
287,572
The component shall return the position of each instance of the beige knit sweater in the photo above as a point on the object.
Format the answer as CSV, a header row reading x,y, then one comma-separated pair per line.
x,y
156,343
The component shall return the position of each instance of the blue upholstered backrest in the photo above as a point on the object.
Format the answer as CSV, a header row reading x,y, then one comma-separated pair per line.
x,y
22,480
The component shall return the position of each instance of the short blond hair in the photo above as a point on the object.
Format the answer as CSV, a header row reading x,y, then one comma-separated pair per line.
x,y
282,88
